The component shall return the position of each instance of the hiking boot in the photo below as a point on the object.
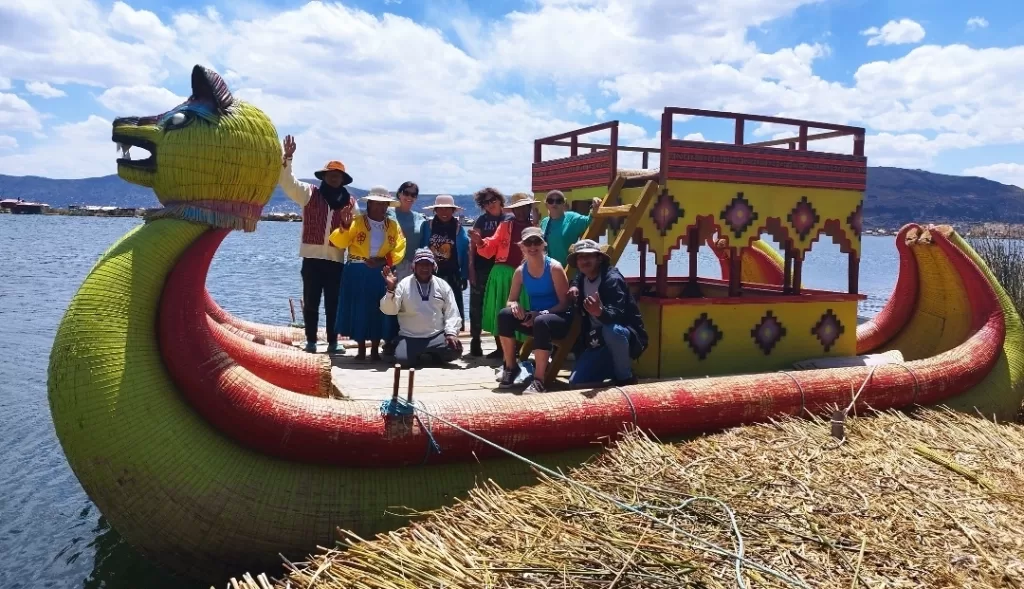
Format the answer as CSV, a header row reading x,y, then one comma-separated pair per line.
x,y
332,348
508,377
310,347
475,349
536,386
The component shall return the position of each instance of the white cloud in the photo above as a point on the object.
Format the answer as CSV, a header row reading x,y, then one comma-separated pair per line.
x,y
82,139
8,142
139,100
44,90
396,100
18,115
976,22
895,33
1007,173
5,83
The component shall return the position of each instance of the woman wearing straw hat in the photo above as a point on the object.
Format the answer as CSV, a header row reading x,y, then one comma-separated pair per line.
x,y
374,240
546,318
448,240
503,248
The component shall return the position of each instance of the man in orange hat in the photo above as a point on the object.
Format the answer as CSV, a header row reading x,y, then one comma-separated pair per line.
x,y
324,208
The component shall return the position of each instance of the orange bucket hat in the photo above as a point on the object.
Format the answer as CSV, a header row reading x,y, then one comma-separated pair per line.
x,y
334,166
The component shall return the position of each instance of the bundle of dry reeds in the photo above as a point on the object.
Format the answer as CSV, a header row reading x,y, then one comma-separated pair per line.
x,y
932,500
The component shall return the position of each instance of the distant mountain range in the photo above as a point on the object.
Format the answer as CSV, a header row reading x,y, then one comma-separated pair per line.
x,y
894,196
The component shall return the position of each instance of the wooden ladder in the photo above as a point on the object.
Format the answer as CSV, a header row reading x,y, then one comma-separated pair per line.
x,y
599,221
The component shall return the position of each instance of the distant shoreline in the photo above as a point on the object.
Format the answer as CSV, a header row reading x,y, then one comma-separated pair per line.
x,y
972,229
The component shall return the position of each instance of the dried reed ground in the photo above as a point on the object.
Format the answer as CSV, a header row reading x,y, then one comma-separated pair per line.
x,y
933,500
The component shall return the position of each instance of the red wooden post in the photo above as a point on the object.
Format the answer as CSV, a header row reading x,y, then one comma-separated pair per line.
x,y
736,268
787,270
854,277
644,164
792,144
739,131
642,248
693,246
798,267
666,140
661,282
803,137
613,145
538,149
574,147
858,144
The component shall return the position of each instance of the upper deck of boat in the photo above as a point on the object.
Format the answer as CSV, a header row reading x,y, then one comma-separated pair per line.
x,y
468,375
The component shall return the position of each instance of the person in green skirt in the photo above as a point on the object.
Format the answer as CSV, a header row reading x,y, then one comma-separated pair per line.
x,y
507,255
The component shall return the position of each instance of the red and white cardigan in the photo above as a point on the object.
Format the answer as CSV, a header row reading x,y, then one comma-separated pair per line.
x,y
318,220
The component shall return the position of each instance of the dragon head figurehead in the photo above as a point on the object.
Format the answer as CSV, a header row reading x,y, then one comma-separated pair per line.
x,y
213,159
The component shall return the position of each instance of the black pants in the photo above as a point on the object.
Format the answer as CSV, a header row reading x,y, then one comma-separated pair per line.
x,y
410,349
454,280
320,276
545,328
476,299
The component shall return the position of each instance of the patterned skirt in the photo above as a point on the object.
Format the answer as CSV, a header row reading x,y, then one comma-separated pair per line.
x,y
359,315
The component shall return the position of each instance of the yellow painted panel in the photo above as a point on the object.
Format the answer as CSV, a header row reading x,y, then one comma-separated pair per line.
x,y
647,364
687,201
736,351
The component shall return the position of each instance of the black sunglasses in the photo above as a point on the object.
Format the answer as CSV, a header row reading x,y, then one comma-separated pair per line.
x,y
556,201
410,194
533,241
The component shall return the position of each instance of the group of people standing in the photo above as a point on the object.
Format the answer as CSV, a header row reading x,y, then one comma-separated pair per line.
x,y
512,262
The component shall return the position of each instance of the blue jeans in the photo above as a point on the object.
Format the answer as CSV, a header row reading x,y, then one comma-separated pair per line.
x,y
609,361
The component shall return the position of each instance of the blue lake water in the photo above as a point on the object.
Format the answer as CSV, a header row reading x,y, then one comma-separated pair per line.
x,y
51,535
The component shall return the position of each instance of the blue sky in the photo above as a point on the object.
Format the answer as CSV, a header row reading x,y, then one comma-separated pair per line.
x,y
452,93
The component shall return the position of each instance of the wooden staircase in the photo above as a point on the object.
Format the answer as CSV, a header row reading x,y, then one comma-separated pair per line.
x,y
598,223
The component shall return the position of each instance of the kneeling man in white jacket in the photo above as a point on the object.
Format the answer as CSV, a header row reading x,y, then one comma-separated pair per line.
x,y
428,315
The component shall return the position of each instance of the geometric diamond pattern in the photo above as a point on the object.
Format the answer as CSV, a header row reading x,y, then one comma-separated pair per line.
x,y
828,329
856,220
703,336
665,212
803,218
768,332
738,215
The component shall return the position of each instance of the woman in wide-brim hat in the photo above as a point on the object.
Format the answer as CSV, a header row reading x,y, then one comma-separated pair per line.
x,y
374,240
504,248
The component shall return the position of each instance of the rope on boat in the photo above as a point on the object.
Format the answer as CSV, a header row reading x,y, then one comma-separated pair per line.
x,y
402,407
398,407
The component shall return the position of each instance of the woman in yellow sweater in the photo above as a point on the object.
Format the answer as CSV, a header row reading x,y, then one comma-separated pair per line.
x,y
374,240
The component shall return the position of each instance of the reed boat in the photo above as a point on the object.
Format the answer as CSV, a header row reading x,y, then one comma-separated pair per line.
x,y
213,445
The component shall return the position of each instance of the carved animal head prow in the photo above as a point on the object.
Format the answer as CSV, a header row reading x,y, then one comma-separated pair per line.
x,y
209,88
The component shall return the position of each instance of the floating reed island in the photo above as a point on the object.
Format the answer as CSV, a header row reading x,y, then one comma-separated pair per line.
x,y
929,499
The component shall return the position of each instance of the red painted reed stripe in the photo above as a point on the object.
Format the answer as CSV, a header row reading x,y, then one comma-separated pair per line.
x,y
297,371
901,304
675,174
782,156
297,427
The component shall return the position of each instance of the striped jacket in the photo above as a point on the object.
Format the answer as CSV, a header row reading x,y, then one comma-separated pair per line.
x,y
318,220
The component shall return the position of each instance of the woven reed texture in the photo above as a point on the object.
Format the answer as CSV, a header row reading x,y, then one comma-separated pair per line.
x,y
902,303
1003,387
256,339
942,309
280,423
282,334
291,369
929,500
177,489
